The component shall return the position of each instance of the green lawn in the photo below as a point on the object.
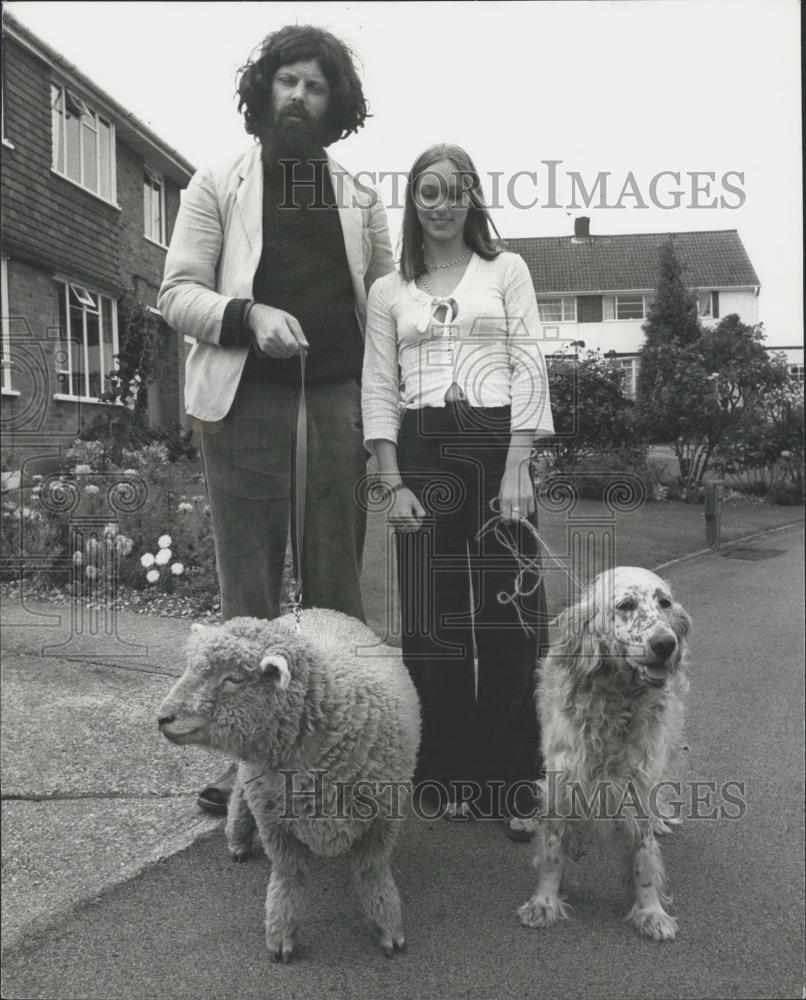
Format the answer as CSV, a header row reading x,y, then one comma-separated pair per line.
x,y
654,534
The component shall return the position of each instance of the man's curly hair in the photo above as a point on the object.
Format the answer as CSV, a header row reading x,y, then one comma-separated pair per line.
x,y
347,109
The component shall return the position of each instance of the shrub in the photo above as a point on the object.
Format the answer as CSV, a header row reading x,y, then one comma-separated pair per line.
x,y
136,503
591,414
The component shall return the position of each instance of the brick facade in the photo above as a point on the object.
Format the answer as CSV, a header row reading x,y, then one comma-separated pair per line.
x,y
54,228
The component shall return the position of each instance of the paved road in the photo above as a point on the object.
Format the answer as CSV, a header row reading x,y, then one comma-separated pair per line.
x,y
191,925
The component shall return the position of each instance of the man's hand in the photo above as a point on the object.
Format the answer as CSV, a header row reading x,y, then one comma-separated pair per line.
x,y
277,333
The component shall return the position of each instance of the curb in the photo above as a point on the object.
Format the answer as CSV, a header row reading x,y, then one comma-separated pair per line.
x,y
728,545
171,845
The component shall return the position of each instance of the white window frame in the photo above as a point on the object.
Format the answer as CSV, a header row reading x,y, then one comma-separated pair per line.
x,y
5,384
705,304
3,137
797,371
568,308
59,149
630,367
154,185
84,298
633,296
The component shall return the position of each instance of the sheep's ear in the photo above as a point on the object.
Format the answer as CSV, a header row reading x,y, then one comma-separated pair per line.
x,y
276,665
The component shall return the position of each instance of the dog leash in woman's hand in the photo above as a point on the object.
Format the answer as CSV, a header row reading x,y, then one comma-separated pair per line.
x,y
299,480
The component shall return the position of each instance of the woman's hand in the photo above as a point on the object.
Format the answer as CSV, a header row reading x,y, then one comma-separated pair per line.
x,y
516,497
406,512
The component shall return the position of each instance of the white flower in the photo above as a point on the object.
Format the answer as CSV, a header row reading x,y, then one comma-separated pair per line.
x,y
91,572
78,558
165,541
91,546
185,507
146,560
110,530
124,545
163,557
153,575
177,569
83,470
91,490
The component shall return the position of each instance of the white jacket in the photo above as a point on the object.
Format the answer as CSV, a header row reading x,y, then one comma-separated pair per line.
x,y
214,253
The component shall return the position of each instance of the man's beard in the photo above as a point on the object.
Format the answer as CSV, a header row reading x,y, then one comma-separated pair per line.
x,y
292,135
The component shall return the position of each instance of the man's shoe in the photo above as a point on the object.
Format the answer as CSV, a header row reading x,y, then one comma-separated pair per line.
x,y
214,797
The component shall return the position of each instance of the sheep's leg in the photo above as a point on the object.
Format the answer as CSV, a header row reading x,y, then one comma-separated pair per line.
x,y
290,862
241,825
546,906
647,913
374,884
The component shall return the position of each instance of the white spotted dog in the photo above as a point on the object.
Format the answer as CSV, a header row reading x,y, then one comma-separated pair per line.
x,y
609,697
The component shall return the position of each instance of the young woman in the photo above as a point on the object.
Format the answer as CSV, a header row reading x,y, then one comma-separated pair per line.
x,y
459,323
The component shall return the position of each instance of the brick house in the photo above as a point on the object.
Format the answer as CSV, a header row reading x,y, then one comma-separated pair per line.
x,y
89,198
596,290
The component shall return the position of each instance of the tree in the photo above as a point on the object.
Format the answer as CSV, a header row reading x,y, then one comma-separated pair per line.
x,y
140,344
696,386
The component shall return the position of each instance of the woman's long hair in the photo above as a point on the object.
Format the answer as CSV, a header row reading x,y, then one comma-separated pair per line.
x,y
477,224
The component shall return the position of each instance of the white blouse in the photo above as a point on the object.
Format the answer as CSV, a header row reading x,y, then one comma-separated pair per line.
x,y
483,336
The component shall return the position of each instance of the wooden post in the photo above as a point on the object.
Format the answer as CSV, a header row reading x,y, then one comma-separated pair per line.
x,y
713,513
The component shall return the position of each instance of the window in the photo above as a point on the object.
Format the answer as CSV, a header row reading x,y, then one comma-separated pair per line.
x,y
797,371
154,206
83,143
631,306
557,310
5,141
5,342
589,308
708,303
630,368
88,329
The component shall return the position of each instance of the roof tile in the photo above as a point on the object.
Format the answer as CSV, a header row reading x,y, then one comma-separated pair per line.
x,y
712,259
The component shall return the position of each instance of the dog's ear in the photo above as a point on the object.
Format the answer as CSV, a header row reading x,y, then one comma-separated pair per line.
x,y
580,641
681,620
275,665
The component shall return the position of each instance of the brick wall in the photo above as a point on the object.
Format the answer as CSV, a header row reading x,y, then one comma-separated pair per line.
x,y
51,225
45,218
34,423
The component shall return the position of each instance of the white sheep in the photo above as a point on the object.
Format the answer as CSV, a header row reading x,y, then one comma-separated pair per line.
x,y
325,723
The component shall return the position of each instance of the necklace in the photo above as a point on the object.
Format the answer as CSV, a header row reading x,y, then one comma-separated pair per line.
x,y
439,267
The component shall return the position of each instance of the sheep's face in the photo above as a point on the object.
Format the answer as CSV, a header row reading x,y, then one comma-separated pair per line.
x,y
230,690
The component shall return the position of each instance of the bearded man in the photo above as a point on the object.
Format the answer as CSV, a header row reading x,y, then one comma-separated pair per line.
x,y
273,255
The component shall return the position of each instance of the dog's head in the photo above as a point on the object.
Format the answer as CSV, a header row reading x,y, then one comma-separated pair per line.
x,y
629,614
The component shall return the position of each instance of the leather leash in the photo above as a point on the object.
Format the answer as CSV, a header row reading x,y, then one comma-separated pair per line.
x,y
299,481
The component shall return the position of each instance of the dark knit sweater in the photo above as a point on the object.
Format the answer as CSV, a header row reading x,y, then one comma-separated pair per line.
x,y
303,270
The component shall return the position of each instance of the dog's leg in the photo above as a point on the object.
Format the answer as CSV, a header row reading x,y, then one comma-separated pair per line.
x,y
647,913
545,906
